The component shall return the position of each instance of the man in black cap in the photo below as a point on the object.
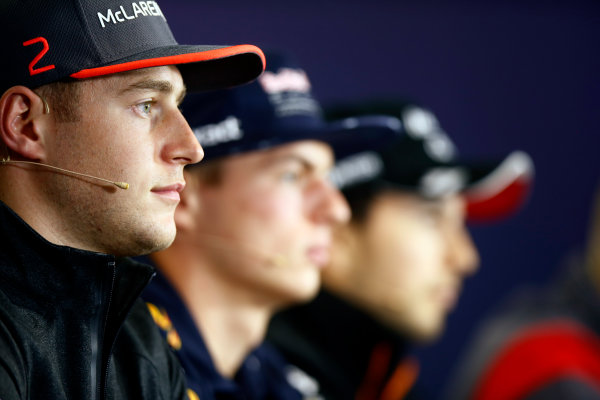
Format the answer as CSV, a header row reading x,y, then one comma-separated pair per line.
x,y
253,231
90,95
397,268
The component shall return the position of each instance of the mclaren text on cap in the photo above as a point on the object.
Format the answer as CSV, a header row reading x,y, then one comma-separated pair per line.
x,y
132,11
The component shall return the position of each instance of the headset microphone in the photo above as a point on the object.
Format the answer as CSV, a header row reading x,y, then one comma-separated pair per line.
x,y
121,185
6,160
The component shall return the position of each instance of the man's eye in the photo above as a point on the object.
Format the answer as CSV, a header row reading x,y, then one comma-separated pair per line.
x,y
146,107
290,176
431,215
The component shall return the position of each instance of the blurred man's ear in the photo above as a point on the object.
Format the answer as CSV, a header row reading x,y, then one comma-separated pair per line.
x,y
23,120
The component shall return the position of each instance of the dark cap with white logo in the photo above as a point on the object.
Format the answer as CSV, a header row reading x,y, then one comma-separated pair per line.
x,y
53,40
277,108
422,159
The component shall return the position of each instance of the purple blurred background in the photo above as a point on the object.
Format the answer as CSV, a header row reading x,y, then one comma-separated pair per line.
x,y
499,75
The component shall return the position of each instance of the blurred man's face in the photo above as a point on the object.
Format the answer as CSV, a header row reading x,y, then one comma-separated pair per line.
x,y
266,226
406,263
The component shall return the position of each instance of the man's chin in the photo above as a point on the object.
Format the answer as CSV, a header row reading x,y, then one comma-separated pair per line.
x,y
418,330
300,294
427,334
146,244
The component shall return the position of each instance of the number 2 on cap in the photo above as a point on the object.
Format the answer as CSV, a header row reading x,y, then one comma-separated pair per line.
x,y
35,71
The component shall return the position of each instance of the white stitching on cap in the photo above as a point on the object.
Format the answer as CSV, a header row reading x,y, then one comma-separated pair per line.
x,y
422,124
442,181
144,8
225,131
358,168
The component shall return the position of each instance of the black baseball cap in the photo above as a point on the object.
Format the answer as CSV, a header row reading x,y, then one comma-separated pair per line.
x,y
52,40
277,108
422,159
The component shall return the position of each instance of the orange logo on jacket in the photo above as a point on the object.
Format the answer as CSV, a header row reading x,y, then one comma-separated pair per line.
x,y
161,318
192,395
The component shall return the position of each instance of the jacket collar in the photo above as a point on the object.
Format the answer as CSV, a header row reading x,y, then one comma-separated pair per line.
x,y
193,354
353,329
261,375
42,273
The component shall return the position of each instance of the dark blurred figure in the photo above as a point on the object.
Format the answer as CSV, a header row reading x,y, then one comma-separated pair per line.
x,y
397,268
544,343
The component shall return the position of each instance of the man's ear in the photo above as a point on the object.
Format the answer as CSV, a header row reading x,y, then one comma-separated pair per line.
x,y
23,120
186,213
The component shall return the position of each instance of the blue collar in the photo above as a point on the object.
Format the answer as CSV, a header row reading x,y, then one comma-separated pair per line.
x,y
261,376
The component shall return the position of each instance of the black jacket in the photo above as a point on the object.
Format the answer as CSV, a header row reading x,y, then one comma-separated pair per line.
x,y
351,355
71,326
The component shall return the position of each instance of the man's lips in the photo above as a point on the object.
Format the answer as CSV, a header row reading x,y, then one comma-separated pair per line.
x,y
170,192
448,296
319,255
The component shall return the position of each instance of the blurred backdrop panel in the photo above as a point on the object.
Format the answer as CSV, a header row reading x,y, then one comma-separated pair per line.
x,y
499,75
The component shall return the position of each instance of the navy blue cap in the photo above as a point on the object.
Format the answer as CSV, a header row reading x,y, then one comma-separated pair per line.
x,y
52,40
277,108
422,159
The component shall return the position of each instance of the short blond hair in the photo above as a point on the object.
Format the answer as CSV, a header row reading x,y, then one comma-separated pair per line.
x,y
63,99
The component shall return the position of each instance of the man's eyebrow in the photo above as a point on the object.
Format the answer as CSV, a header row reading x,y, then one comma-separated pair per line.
x,y
306,164
155,85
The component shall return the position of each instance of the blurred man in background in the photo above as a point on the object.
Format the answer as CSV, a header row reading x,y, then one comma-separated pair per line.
x,y
254,230
397,268
544,343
